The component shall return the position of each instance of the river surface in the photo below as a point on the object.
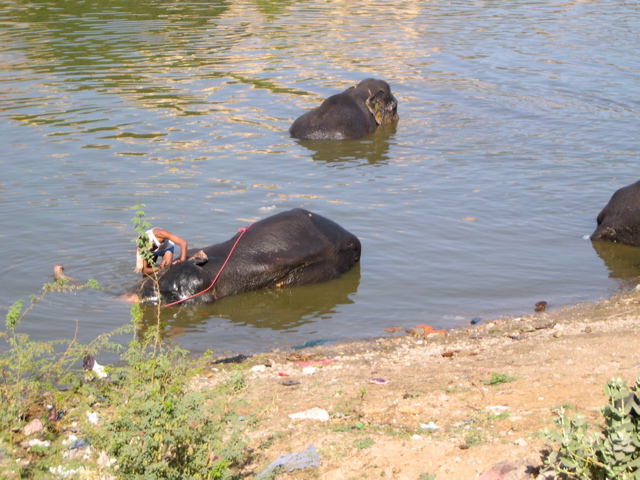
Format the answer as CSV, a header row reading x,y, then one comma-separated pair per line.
x,y
518,120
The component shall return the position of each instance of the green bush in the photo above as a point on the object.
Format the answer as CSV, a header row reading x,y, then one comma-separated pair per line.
x,y
152,423
40,381
163,429
609,452
30,371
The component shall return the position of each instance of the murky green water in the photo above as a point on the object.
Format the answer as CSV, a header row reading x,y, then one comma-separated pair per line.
x,y
518,120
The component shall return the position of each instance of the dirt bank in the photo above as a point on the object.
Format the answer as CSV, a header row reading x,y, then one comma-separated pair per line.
x,y
407,407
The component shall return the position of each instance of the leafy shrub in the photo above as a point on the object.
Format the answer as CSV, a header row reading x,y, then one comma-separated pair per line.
x,y
610,452
30,371
163,429
152,424
40,381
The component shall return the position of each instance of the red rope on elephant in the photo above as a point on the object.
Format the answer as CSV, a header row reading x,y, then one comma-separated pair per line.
x,y
242,232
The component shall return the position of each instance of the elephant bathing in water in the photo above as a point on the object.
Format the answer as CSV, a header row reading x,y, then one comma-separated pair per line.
x,y
350,114
619,220
296,247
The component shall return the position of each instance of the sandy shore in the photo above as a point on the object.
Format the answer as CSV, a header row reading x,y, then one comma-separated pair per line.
x,y
406,407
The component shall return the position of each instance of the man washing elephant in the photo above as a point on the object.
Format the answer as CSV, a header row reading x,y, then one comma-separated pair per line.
x,y
295,247
161,245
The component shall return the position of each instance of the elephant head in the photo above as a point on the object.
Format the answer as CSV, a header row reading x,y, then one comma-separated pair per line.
x,y
619,220
178,282
380,102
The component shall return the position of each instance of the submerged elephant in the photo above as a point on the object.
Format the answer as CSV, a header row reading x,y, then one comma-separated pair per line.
x,y
619,220
350,114
296,247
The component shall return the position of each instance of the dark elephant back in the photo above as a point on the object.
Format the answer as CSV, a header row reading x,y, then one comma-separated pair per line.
x,y
295,247
619,220
343,116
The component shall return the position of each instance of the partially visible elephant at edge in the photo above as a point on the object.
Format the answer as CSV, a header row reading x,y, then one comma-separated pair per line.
x,y
295,247
619,220
349,115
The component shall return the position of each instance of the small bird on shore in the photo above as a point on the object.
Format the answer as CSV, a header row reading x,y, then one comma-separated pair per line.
x,y
58,275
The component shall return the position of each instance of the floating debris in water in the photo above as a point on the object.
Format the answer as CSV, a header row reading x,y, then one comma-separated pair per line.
x,y
392,329
540,306
313,343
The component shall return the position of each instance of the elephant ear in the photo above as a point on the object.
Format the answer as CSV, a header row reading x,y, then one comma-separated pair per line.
x,y
375,104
